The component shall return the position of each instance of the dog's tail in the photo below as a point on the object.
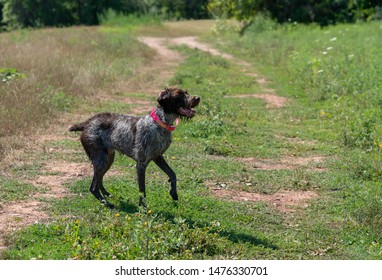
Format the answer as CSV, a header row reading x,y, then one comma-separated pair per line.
x,y
77,127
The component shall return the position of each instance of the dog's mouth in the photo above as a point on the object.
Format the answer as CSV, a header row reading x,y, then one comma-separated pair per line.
x,y
186,112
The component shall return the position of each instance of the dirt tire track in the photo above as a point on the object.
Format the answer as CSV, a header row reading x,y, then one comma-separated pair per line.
x,y
18,214
271,99
285,201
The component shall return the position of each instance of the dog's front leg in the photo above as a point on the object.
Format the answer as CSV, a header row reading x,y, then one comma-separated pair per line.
x,y
141,173
162,164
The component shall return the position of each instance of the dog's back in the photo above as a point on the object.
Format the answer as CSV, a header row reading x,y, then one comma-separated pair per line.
x,y
144,139
137,137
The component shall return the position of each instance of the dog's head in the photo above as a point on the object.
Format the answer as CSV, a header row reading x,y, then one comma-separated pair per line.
x,y
178,101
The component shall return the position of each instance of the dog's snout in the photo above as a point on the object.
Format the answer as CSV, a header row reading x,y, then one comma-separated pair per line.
x,y
195,101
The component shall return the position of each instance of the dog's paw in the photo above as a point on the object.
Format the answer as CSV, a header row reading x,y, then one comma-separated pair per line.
x,y
174,194
108,204
106,194
142,202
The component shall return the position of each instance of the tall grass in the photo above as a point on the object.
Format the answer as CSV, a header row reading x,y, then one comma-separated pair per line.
x,y
338,66
340,224
58,66
334,75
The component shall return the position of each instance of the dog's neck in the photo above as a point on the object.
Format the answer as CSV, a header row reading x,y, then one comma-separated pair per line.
x,y
164,117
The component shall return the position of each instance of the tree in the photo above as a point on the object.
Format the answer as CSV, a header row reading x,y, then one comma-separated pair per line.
x,y
35,13
242,10
323,12
185,9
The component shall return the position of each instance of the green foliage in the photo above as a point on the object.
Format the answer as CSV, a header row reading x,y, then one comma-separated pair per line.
x,y
180,9
38,13
9,74
238,9
343,222
242,10
363,130
332,66
335,72
322,12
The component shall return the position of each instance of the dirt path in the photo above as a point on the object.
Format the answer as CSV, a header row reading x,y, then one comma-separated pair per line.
x,y
162,46
54,174
167,60
48,185
284,201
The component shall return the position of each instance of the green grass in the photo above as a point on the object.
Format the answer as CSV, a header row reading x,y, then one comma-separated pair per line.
x,y
333,76
335,70
12,190
343,222
152,26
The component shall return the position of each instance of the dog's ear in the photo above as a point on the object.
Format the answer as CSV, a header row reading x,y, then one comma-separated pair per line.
x,y
163,96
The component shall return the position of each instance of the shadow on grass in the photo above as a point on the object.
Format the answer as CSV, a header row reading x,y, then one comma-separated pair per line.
x,y
236,237
127,207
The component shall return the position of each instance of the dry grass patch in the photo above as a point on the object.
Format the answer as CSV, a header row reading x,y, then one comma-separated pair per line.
x,y
286,201
272,100
178,28
18,214
58,67
314,163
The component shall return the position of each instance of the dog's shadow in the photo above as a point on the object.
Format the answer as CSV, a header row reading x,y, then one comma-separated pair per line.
x,y
233,236
127,207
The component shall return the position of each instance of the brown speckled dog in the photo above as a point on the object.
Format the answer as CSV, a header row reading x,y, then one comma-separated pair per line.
x,y
144,139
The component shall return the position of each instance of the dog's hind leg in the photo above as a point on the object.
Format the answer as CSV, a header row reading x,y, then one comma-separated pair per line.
x,y
102,160
160,161
110,160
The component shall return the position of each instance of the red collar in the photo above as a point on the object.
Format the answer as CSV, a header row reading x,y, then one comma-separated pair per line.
x,y
163,124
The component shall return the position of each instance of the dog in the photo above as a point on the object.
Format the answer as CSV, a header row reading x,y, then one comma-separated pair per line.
x,y
144,139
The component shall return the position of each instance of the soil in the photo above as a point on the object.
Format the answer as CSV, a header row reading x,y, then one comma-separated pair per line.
x,y
286,163
272,100
161,45
287,201
15,215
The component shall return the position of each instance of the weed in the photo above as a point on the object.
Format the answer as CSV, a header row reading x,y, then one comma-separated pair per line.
x,y
9,74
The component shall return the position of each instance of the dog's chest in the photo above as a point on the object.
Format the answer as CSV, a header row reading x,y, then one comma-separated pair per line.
x,y
157,141
152,140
